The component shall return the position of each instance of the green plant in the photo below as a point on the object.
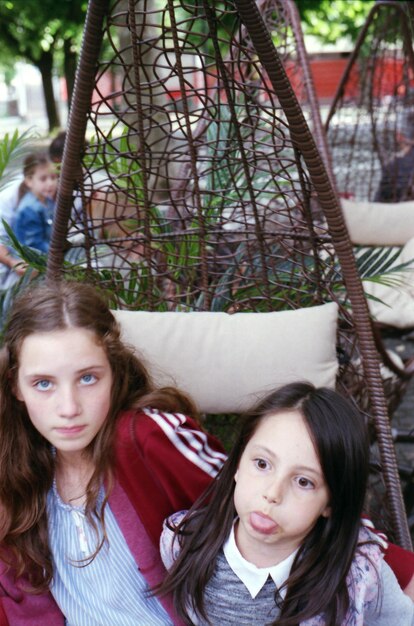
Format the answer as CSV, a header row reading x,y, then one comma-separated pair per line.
x,y
238,281
300,281
224,191
12,148
129,290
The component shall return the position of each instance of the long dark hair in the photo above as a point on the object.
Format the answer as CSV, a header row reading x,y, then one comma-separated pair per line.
x,y
27,465
317,582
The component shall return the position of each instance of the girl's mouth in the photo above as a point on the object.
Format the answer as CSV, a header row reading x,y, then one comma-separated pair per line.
x,y
70,430
262,523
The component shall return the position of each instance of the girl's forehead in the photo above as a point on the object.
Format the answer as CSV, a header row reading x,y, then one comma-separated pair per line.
x,y
63,343
42,168
61,355
284,432
281,419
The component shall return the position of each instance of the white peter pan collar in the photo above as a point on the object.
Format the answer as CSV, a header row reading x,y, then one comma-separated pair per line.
x,y
254,577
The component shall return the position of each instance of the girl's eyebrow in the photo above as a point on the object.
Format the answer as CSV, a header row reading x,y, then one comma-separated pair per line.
x,y
44,374
256,448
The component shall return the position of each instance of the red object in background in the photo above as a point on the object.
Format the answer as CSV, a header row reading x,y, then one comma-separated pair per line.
x,y
327,71
388,79
326,75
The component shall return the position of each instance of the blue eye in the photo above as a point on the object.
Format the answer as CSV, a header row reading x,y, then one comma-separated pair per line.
x,y
88,379
43,385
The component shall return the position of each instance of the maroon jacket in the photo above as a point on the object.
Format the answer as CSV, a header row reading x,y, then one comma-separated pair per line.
x,y
163,463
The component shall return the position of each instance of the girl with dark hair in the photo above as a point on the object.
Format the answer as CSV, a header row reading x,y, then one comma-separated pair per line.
x,y
11,267
92,459
29,213
33,220
277,538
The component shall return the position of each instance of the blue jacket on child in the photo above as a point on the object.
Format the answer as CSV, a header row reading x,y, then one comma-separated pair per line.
x,y
33,222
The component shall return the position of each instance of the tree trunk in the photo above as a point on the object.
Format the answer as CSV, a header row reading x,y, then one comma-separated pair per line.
x,y
69,66
147,27
45,66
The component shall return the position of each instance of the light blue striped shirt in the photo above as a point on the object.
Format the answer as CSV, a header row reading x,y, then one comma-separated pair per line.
x,y
108,591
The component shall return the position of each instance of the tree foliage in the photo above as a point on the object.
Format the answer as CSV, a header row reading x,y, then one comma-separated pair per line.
x,y
330,20
29,27
35,31
47,33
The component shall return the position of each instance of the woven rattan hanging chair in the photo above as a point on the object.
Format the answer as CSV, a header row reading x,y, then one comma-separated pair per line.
x,y
371,118
370,137
202,188
370,133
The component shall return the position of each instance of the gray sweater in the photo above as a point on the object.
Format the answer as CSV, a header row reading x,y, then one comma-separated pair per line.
x,y
393,609
376,597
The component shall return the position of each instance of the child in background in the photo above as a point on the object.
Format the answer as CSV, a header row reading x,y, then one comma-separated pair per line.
x,y
11,267
33,220
88,470
280,539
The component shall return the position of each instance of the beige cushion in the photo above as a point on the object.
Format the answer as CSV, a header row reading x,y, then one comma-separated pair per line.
x,y
394,305
226,362
378,223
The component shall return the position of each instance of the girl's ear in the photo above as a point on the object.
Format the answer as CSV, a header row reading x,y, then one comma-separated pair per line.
x,y
28,181
327,512
236,475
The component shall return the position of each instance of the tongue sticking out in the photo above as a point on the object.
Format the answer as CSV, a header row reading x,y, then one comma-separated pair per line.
x,y
262,523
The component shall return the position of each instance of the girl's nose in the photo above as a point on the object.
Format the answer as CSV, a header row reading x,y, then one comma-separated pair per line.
x,y
273,492
68,405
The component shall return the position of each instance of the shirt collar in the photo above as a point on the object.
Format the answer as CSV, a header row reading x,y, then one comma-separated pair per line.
x,y
254,577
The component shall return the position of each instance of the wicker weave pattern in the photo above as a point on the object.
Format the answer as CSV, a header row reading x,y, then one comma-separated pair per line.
x,y
203,179
202,187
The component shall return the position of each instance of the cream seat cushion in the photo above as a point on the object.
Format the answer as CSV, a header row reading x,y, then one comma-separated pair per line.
x,y
226,362
379,223
386,224
394,305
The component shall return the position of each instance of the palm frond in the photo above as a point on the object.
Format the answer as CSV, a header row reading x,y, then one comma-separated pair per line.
x,y
374,263
12,148
34,259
